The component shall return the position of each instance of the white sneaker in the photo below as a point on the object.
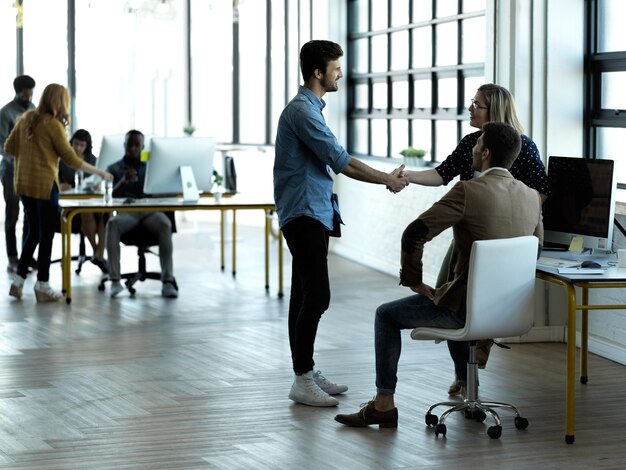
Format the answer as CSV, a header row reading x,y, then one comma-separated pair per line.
x,y
328,386
304,390
45,293
16,287
116,288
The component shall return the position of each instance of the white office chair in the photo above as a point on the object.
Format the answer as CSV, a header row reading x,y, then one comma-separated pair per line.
x,y
500,303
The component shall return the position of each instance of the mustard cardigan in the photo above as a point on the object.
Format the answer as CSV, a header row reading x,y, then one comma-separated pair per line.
x,y
37,159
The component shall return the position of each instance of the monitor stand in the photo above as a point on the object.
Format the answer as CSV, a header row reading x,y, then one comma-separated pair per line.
x,y
188,182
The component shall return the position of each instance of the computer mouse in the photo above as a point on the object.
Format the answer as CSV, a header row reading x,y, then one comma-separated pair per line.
x,y
129,200
590,264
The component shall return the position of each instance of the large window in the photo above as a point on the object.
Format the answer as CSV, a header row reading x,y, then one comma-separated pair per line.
x,y
605,73
413,67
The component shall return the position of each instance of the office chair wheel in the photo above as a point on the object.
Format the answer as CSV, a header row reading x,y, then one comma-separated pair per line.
x,y
520,422
440,429
477,415
494,432
431,420
101,287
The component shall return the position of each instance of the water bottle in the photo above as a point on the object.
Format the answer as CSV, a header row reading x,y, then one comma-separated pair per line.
x,y
108,192
79,177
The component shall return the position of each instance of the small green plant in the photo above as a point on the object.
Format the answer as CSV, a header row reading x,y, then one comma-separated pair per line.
x,y
412,152
189,129
217,178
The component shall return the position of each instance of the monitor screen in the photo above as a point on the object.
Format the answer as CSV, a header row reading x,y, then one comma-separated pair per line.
x,y
112,149
581,202
168,154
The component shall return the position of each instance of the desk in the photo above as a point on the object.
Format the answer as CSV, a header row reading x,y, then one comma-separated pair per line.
x,y
613,278
71,207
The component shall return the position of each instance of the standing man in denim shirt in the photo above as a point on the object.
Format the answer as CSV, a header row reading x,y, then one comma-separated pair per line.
x,y
306,152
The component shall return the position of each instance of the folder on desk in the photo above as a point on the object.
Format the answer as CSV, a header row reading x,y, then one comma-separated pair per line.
x,y
581,271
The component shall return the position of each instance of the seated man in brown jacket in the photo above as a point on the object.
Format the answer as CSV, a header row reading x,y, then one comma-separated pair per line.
x,y
495,205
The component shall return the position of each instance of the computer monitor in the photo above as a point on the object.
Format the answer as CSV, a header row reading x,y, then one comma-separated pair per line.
x,y
581,203
112,149
169,154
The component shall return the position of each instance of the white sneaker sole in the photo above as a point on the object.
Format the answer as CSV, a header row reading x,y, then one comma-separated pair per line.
x,y
311,401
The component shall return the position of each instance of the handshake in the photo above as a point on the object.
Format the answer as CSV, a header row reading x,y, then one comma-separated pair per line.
x,y
397,180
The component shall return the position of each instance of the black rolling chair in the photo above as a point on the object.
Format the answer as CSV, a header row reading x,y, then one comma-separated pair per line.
x,y
144,241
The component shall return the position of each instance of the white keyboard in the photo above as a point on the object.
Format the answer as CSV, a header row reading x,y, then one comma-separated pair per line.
x,y
557,262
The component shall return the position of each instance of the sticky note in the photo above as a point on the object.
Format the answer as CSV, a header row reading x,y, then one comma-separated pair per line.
x,y
576,244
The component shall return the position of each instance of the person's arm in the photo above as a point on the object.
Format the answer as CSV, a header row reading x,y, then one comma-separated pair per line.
x,y
396,180
428,177
87,168
5,128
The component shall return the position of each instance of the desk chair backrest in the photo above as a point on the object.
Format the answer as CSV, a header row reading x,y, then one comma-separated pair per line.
x,y
500,291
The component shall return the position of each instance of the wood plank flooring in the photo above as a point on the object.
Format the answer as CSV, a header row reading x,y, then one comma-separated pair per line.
x,y
202,381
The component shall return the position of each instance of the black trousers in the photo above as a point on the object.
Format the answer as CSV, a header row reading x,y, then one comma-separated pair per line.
x,y
307,240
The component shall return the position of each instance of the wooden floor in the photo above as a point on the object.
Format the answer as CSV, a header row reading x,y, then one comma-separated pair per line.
x,y
202,381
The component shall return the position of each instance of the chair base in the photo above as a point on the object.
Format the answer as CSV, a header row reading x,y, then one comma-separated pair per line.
x,y
472,407
131,278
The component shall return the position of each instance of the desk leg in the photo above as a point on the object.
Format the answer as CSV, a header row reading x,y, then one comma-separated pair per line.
x,y
66,262
234,242
584,333
222,237
267,250
570,394
63,253
280,264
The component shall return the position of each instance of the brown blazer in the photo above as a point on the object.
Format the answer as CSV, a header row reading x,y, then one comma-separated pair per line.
x,y
494,205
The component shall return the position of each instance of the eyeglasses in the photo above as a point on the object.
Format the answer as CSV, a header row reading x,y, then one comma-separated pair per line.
x,y
474,104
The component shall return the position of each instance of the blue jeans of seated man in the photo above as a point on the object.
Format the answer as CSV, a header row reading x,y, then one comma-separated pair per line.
x,y
410,312
11,209
153,222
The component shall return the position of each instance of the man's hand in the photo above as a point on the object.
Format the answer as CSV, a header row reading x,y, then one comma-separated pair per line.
x,y
131,176
398,180
424,289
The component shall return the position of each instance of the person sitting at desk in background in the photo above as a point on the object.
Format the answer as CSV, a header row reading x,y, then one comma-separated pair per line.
x,y
9,114
492,206
129,174
491,103
91,225
37,141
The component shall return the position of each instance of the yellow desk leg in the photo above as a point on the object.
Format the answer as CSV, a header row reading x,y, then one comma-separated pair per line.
x,y
584,336
267,249
570,394
222,237
63,253
280,264
66,263
234,242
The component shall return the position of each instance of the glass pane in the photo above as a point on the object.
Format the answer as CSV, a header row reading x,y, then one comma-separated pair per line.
x,y
399,136
379,53
359,15
360,135
422,10
320,19
45,59
446,35
447,93
611,146
400,50
474,40
252,63
471,87
399,12
379,15
613,96
8,51
422,47
360,55
421,136
473,5
379,137
422,90
611,31
278,59
380,95
360,96
446,138
447,8
400,95
211,24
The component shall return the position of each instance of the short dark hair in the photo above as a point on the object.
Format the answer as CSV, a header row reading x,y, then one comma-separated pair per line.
x,y
132,132
23,82
317,54
503,141
84,136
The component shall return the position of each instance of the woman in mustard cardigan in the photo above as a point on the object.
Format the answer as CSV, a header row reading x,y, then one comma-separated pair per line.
x,y
37,141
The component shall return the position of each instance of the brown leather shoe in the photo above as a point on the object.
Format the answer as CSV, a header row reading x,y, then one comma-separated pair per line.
x,y
367,415
482,352
455,388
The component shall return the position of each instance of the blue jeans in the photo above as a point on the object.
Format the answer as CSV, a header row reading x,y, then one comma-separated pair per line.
x,y
11,209
409,312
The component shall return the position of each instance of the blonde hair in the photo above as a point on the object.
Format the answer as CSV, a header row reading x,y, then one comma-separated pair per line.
x,y
501,105
55,103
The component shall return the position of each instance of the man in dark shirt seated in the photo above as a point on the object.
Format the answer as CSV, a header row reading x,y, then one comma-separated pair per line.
x,y
128,177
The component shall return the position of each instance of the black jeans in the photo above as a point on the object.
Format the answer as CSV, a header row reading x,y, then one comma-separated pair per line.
x,y
42,216
307,240
11,210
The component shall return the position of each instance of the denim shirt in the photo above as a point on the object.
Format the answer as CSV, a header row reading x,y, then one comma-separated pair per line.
x,y
118,170
306,152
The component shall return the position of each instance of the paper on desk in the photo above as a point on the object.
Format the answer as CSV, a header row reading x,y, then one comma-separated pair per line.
x,y
577,244
581,271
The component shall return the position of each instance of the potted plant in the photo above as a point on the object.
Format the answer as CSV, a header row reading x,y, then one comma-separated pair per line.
x,y
189,129
217,189
413,156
